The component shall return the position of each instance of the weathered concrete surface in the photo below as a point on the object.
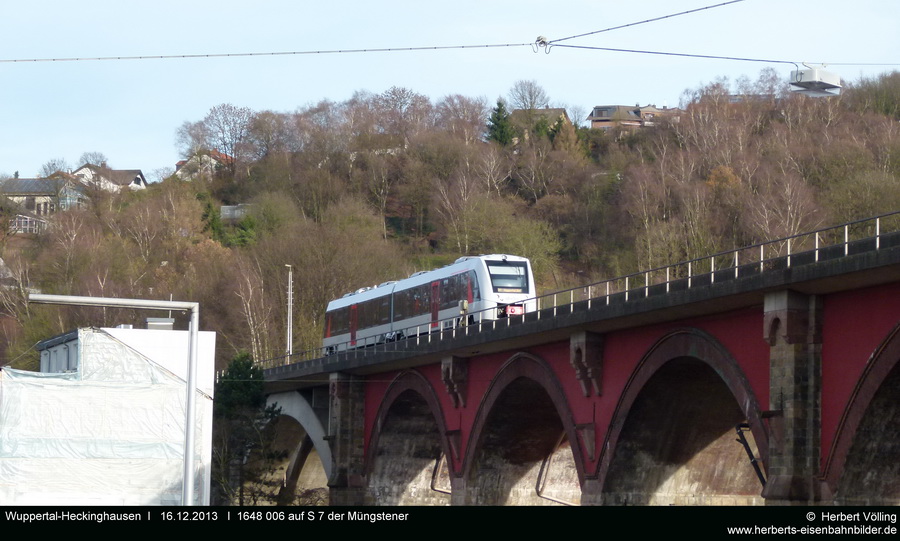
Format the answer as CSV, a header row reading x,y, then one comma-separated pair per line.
x,y
522,441
304,481
679,445
872,472
407,460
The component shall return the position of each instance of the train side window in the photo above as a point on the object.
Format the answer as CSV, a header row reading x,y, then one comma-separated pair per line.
x,y
384,310
401,305
340,321
423,299
450,294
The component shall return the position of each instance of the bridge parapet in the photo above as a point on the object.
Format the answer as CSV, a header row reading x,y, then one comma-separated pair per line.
x,y
706,284
771,262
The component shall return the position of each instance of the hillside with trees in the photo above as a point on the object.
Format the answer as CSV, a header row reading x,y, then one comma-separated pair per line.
x,y
381,185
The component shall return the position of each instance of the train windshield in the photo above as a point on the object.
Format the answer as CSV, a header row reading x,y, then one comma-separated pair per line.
x,y
508,276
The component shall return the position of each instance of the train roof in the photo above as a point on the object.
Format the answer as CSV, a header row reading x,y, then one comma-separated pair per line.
x,y
418,278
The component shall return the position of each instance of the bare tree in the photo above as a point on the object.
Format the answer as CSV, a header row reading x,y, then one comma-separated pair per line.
x,y
535,171
463,117
456,196
73,237
54,166
879,94
577,114
161,173
493,168
255,311
528,95
227,127
404,113
192,138
93,158
379,176
270,133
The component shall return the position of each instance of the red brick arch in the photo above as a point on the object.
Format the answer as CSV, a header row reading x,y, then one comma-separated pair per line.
x,y
407,381
699,345
883,360
532,367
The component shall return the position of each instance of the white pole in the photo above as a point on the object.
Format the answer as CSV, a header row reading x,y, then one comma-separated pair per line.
x,y
190,417
290,313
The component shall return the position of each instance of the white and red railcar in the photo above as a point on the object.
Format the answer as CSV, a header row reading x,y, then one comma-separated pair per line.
x,y
472,289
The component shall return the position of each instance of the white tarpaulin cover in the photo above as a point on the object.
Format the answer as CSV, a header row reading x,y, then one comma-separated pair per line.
x,y
111,433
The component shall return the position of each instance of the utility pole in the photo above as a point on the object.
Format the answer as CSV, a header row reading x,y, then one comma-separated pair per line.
x,y
290,312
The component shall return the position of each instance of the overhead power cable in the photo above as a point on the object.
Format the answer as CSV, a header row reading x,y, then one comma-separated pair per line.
x,y
281,53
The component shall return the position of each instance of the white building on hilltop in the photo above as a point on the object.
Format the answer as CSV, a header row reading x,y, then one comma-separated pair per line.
x,y
110,180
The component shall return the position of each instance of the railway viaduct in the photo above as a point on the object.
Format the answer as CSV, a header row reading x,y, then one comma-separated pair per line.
x,y
770,382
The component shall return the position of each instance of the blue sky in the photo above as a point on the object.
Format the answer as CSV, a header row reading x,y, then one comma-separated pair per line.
x,y
130,109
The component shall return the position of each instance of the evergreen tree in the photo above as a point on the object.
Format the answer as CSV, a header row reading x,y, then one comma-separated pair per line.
x,y
212,220
500,128
542,128
243,435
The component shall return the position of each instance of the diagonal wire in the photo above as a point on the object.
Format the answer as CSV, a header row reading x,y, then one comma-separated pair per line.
x,y
688,55
644,22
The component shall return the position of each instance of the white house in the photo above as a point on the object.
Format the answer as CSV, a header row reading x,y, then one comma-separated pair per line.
x,y
203,165
110,180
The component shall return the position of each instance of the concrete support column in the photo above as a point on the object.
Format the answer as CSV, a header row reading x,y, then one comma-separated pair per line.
x,y
347,484
459,492
793,329
591,492
455,375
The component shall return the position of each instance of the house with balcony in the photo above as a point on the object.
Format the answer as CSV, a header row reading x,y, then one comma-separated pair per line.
x,y
607,117
43,196
30,201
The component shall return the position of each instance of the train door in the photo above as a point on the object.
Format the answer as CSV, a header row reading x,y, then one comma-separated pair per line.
x,y
435,303
353,321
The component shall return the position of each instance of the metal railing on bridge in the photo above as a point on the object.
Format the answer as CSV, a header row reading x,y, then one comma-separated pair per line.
x,y
830,243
